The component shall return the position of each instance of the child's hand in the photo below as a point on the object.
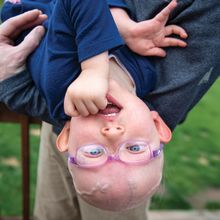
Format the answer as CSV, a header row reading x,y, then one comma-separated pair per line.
x,y
148,37
87,94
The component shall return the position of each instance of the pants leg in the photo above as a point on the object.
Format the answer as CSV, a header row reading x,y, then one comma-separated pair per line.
x,y
55,195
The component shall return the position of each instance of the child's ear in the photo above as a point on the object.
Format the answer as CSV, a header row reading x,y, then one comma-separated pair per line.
x,y
163,130
63,137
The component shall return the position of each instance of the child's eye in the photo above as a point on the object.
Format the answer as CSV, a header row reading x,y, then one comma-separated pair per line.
x,y
95,152
135,149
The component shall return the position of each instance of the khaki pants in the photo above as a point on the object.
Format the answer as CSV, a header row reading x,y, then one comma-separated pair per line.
x,y
56,198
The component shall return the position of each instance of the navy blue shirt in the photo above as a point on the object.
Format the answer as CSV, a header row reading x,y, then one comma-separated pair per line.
x,y
117,3
140,68
76,30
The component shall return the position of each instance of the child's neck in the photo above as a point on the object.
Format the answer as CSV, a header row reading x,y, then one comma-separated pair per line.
x,y
120,76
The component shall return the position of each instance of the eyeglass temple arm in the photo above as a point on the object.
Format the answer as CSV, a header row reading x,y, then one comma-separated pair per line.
x,y
72,160
157,152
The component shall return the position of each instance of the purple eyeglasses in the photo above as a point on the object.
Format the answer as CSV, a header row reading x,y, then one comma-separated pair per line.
x,y
130,152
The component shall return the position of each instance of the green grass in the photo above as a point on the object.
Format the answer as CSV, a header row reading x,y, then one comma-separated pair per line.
x,y
10,169
193,156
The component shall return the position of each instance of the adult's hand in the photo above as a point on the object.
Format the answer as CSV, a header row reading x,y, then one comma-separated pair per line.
x,y
12,58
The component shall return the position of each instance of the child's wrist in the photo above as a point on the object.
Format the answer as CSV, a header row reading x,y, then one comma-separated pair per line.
x,y
100,61
96,72
102,69
124,23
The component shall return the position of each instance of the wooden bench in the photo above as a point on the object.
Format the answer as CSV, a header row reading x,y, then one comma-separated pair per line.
x,y
8,116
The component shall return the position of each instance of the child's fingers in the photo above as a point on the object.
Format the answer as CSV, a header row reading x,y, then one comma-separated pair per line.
x,y
74,113
81,108
91,107
156,51
174,29
101,103
70,109
173,42
164,14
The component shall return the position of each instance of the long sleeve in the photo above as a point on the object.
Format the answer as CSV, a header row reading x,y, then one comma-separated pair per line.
x,y
20,94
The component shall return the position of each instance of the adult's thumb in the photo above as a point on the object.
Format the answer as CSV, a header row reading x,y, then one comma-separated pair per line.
x,y
31,41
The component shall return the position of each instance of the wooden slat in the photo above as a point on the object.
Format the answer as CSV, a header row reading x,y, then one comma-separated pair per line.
x,y
13,218
25,152
10,218
8,116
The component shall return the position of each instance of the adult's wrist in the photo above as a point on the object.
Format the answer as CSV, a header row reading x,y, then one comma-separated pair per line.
x,y
7,71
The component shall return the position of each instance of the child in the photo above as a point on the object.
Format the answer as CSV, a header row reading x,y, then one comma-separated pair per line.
x,y
73,55
116,156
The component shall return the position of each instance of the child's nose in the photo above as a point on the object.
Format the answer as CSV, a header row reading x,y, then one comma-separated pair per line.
x,y
113,132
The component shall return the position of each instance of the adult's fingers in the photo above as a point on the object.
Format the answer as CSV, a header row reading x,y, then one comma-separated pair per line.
x,y
38,21
31,41
13,26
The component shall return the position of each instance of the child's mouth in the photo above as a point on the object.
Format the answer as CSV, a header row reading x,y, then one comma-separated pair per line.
x,y
112,108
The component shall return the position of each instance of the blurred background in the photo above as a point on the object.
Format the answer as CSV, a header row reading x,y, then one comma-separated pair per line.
x,y
192,162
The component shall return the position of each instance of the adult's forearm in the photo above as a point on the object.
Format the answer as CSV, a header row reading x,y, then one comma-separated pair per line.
x,y
20,94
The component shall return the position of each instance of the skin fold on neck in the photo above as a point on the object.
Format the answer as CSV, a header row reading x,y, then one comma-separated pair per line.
x,y
116,73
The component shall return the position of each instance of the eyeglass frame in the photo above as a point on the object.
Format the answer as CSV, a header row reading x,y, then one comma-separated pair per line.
x,y
115,156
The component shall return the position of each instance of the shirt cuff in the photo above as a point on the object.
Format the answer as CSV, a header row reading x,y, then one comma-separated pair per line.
x,y
117,3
